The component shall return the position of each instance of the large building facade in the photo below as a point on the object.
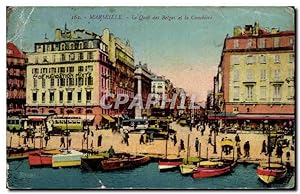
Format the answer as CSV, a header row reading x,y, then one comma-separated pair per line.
x,y
255,77
16,73
121,56
69,75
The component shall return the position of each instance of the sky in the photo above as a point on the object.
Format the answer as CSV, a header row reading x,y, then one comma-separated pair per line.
x,y
183,49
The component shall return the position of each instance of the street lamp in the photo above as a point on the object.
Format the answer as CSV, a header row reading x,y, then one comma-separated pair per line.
x,y
215,135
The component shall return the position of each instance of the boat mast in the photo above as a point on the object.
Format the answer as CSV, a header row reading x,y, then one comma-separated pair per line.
x,y
269,147
188,149
87,130
67,131
167,140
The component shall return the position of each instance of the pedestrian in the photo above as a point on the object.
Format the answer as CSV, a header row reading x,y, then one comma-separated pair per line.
x,y
84,136
181,144
237,138
238,150
202,130
147,138
92,145
69,141
126,139
99,140
247,149
62,141
142,139
46,140
111,151
279,150
264,148
24,141
151,138
288,155
197,144
175,139
209,140
32,138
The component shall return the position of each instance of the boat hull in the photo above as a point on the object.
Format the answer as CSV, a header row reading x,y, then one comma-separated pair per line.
x,y
270,175
36,160
91,163
205,172
187,169
124,163
169,164
22,155
68,159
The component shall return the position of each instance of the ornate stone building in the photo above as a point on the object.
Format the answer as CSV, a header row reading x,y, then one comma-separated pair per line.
x,y
16,72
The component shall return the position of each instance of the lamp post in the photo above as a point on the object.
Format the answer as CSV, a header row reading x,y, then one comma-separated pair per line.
x,y
215,135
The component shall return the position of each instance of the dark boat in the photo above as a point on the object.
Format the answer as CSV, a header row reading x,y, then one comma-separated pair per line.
x,y
213,168
93,162
124,162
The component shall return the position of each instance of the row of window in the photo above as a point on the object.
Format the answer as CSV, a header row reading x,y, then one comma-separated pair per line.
x,y
70,46
69,57
262,42
250,75
262,59
69,69
250,92
80,81
51,96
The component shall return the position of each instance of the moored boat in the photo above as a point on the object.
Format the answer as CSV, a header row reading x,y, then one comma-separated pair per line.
x,y
269,173
124,162
42,159
67,159
169,164
213,168
19,154
93,162
186,169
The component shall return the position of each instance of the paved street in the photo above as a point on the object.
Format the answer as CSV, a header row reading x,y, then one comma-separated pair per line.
x,y
158,146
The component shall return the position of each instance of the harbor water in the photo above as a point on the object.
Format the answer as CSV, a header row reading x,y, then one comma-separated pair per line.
x,y
21,176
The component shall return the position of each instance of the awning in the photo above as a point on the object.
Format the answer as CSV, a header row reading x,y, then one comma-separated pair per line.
x,y
83,117
265,117
107,117
37,118
229,116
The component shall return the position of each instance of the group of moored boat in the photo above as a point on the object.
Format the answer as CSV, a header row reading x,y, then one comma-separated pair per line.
x,y
198,169
266,172
72,158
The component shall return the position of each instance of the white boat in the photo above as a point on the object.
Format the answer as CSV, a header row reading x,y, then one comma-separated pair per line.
x,y
67,159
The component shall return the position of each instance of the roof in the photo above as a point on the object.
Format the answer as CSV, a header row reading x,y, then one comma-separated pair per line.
x,y
13,51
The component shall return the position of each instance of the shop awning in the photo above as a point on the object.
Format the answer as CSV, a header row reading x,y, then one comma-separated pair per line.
x,y
265,117
107,117
231,116
83,117
37,118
